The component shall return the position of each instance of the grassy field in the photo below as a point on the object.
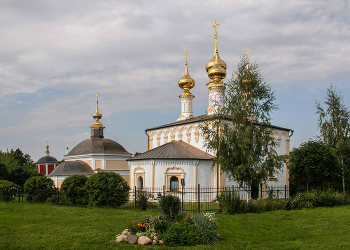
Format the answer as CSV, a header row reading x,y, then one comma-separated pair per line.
x,y
45,226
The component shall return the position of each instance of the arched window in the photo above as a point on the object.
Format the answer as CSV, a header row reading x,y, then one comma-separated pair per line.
x,y
174,183
140,183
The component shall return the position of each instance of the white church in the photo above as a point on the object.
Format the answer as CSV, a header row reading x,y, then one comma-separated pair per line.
x,y
176,152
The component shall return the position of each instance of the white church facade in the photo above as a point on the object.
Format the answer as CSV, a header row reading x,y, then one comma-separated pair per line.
x,y
166,163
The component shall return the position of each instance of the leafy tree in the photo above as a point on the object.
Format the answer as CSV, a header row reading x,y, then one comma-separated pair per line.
x,y
39,188
3,171
19,166
334,125
314,164
73,189
240,132
107,189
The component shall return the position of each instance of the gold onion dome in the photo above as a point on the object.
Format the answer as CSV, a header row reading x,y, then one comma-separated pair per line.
x,y
217,71
97,116
186,82
210,64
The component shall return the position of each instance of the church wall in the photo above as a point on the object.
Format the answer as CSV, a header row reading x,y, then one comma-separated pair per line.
x,y
114,164
205,174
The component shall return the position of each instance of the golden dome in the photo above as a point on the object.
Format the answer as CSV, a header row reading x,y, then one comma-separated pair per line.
x,y
186,82
216,53
217,71
97,116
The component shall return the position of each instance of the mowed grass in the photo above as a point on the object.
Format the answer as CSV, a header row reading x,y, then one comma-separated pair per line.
x,y
46,226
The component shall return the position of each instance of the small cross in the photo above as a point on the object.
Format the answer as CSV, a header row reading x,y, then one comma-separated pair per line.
x,y
97,96
186,55
247,54
215,27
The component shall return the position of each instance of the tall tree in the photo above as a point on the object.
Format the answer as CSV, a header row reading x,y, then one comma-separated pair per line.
x,y
314,164
240,132
334,125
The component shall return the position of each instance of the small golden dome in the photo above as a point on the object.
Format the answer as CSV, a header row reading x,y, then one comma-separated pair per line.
x,y
186,82
97,116
217,71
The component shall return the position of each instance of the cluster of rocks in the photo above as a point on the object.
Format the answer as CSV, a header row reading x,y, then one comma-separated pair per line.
x,y
139,238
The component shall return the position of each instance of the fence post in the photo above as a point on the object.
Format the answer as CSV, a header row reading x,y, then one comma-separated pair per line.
x,y
58,196
135,196
285,192
198,198
182,198
163,190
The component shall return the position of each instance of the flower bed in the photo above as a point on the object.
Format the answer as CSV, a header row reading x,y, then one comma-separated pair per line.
x,y
180,230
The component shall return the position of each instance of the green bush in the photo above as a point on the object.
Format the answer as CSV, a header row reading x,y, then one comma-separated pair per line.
x,y
73,190
206,226
169,206
107,189
316,198
230,202
181,234
39,188
8,190
265,205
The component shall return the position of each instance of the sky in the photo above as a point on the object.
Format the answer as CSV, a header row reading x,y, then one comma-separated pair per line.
x,y
55,56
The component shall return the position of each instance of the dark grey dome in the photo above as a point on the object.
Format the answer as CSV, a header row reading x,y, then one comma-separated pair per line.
x,y
47,159
98,145
72,168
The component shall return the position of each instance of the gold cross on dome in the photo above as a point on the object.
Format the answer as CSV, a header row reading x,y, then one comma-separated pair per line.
x,y
186,55
247,54
215,25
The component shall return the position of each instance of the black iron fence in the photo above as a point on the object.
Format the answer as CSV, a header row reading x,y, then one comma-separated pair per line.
x,y
192,198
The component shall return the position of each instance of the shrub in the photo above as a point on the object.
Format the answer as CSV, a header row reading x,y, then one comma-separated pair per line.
x,y
316,198
264,205
230,202
73,190
169,206
206,226
181,234
8,190
39,188
107,189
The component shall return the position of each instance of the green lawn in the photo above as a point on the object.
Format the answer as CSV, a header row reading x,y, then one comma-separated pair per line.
x,y
45,226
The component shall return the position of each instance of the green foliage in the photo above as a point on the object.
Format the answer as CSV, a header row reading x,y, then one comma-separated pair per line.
x,y
169,206
181,234
8,190
39,188
316,198
230,202
107,189
73,190
334,125
207,227
265,205
314,164
240,132
16,166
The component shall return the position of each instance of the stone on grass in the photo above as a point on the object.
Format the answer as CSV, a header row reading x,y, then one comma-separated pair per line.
x,y
154,242
161,242
132,239
125,231
144,240
155,237
121,238
140,234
